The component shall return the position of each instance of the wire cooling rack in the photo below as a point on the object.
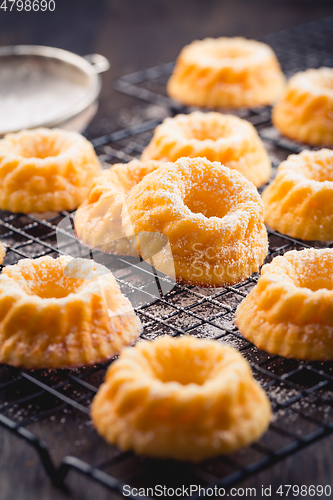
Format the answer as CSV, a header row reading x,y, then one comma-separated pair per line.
x,y
305,46
50,410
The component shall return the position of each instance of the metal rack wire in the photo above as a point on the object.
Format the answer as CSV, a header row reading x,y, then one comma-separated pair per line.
x,y
40,406
305,46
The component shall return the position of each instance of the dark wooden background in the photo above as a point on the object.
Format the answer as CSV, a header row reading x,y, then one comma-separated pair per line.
x,y
134,34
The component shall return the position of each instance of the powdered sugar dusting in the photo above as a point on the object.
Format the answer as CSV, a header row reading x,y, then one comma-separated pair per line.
x,y
212,216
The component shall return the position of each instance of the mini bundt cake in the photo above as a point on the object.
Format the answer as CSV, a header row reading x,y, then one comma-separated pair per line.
x,y
98,220
185,399
225,138
211,216
226,72
57,313
299,201
45,170
289,312
305,111
2,253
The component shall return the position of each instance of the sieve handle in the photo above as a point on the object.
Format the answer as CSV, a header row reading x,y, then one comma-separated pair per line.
x,y
98,62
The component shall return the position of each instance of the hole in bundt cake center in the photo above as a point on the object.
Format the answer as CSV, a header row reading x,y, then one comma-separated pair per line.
x,y
316,276
325,81
202,131
51,284
183,378
182,362
185,372
223,52
207,202
320,171
317,283
40,147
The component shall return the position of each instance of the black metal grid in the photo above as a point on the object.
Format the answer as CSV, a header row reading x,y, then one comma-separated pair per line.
x,y
47,405
305,46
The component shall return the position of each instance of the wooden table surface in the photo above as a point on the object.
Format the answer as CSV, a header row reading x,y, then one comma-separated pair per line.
x,y
133,35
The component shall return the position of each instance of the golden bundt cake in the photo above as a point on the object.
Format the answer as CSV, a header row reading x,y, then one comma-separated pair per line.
x,y
64,312
2,253
226,72
45,170
211,216
225,138
305,111
299,201
289,312
184,398
98,220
